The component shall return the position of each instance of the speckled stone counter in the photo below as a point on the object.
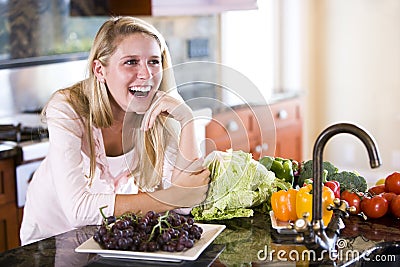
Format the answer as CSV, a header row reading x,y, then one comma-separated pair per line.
x,y
243,243
7,149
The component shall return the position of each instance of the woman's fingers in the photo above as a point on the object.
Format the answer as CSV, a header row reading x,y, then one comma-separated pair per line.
x,y
191,180
152,113
167,105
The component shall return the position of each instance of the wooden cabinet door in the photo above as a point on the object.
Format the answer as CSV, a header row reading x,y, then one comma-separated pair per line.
x,y
9,227
9,233
289,143
274,130
289,133
7,181
231,129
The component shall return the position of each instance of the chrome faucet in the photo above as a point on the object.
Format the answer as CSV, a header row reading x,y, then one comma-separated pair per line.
x,y
313,234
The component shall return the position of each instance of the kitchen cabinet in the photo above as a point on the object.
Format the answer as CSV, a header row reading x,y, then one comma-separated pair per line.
x,y
274,130
9,227
157,7
289,128
199,7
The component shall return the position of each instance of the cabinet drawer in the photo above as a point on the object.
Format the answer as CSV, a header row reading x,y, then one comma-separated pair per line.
x,y
7,181
286,113
231,123
231,129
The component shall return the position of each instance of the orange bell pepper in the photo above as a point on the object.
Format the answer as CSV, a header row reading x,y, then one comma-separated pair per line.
x,y
304,202
284,205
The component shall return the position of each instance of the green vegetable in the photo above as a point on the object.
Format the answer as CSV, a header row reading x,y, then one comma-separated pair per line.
x,y
306,171
238,183
349,181
283,168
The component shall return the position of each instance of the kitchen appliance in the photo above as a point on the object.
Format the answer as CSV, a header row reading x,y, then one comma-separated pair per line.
x,y
30,136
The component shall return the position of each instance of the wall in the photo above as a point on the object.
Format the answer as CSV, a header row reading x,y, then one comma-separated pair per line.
x,y
354,76
247,41
194,39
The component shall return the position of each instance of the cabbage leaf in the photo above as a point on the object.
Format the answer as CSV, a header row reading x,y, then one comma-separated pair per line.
x,y
238,184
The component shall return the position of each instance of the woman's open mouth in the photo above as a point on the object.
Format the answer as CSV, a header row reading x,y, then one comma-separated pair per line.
x,y
140,91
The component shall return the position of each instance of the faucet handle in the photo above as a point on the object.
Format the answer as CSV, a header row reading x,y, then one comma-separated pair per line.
x,y
302,225
342,207
351,209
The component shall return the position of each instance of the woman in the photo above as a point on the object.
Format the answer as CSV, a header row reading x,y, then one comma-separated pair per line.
x,y
114,138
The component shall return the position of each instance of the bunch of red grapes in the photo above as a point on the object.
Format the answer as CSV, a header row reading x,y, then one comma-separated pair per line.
x,y
148,233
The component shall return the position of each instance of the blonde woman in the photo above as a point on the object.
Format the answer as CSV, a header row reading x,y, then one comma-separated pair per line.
x,y
122,138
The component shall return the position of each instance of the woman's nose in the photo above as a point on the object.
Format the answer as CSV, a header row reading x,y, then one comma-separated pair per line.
x,y
143,72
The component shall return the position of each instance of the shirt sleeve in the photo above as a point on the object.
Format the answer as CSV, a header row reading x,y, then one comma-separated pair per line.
x,y
169,162
67,139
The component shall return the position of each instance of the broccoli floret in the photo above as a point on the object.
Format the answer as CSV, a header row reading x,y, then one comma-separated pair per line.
x,y
306,170
349,181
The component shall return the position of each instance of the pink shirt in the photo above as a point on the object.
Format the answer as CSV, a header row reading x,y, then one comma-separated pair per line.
x,y
59,197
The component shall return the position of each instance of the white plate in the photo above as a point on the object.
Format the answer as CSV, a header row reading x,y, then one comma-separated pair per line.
x,y
279,226
210,232
285,227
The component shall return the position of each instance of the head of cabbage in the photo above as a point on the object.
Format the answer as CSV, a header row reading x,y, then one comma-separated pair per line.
x,y
238,184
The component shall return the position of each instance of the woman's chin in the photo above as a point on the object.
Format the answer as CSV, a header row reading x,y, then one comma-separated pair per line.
x,y
138,108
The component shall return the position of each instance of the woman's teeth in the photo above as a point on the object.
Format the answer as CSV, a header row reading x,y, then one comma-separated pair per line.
x,y
140,91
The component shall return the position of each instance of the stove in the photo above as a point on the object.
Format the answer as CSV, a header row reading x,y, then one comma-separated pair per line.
x,y
19,133
30,136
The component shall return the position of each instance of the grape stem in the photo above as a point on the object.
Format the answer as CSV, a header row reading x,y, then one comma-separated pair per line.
x,y
102,213
161,219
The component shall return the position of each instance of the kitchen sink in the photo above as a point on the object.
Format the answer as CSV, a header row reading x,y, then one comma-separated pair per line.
x,y
382,254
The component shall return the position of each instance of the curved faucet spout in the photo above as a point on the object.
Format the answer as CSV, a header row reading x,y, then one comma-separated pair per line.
x,y
322,139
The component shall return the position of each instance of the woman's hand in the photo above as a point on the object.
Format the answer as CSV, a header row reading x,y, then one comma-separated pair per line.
x,y
166,105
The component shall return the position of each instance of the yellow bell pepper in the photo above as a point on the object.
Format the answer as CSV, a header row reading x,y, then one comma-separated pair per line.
x,y
304,202
284,205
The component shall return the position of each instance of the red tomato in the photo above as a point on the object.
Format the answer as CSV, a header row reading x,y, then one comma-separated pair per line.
x,y
376,189
374,207
392,183
389,196
353,199
395,206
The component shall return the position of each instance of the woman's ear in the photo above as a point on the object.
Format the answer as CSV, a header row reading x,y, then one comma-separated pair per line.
x,y
98,70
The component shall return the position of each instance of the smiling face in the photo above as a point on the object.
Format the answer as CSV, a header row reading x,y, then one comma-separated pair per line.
x,y
134,72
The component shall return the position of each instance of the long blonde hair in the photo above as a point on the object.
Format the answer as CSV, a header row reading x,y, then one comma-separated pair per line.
x,y
90,100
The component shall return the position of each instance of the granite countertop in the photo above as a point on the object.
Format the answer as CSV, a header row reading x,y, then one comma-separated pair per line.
x,y
275,98
243,243
8,149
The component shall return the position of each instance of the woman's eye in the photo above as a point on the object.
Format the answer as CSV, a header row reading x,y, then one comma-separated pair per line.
x,y
132,62
154,61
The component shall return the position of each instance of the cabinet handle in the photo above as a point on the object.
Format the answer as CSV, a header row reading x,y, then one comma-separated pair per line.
x,y
258,149
283,114
232,126
262,147
265,146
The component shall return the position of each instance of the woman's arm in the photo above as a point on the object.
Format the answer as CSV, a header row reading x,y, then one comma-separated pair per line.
x,y
188,190
66,174
189,178
188,148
